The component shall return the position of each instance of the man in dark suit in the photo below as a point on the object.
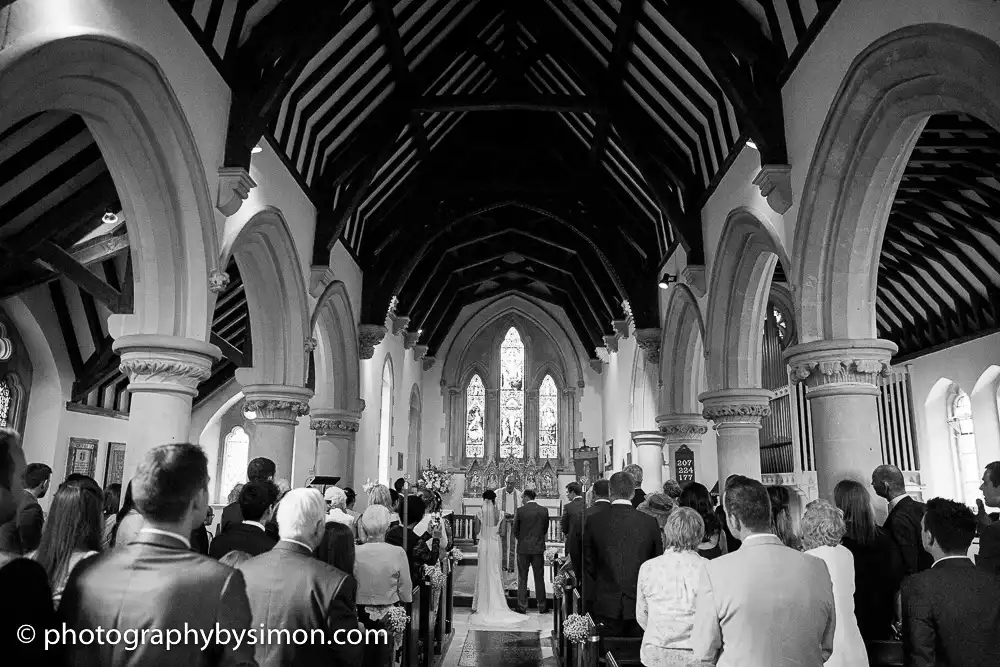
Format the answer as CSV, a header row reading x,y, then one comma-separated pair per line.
x,y
157,582
22,534
989,531
531,525
291,590
903,522
951,612
585,584
258,470
616,543
257,501
572,513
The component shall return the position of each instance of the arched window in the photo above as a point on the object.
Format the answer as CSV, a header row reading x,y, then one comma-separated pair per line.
x,y
235,456
963,441
548,419
385,424
475,418
512,396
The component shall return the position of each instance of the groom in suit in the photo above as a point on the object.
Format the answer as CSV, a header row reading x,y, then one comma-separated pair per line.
x,y
531,525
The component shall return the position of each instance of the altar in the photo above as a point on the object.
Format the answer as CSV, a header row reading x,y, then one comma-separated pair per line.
x,y
541,477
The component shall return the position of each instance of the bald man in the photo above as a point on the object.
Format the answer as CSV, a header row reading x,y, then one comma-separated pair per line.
x,y
903,522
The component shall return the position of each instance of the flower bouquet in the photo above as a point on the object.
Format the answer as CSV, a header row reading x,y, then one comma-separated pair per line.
x,y
576,628
456,555
396,620
552,555
558,583
437,577
435,479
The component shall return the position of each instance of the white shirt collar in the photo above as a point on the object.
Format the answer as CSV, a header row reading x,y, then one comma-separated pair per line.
x,y
157,531
756,535
254,523
301,544
949,558
621,501
605,500
895,501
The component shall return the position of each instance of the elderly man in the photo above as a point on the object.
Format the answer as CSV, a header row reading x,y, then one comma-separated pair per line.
x,y
508,500
336,500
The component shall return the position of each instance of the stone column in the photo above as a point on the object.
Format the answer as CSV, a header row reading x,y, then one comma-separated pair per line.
x,y
491,423
736,414
650,446
841,386
455,425
684,430
164,373
336,431
277,409
568,422
531,425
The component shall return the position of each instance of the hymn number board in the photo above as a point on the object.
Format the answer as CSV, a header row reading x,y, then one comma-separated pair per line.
x,y
684,464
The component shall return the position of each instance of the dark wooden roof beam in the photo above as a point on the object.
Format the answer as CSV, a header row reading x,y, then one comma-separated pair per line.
x,y
617,65
63,262
389,32
547,103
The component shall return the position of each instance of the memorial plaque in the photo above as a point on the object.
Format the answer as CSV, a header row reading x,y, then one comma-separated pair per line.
x,y
684,465
82,457
114,468
609,448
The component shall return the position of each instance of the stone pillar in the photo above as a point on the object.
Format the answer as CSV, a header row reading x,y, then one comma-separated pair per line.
x,y
164,373
455,425
650,450
336,431
531,424
736,414
568,422
491,422
681,430
278,408
841,386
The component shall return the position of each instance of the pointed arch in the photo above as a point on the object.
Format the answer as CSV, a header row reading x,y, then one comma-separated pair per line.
x,y
512,361
413,449
682,372
644,394
338,372
386,421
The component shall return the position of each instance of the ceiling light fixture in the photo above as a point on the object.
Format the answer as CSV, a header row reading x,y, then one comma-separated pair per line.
x,y
666,279
751,144
109,217
256,149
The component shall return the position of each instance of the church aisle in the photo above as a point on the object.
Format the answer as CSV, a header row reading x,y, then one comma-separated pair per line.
x,y
478,646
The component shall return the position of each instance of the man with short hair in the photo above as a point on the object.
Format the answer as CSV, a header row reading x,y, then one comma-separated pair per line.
x,y
765,604
258,470
572,512
951,612
601,502
531,525
903,522
292,591
616,542
257,500
336,500
22,534
157,582
989,532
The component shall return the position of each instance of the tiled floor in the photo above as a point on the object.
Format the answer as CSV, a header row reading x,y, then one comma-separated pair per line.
x,y
478,646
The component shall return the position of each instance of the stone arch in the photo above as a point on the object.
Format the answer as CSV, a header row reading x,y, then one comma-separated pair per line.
x,y
543,369
744,264
936,456
682,371
276,295
888,94
413,433
475,368
387,399
643,397
338,372
986,414
150,151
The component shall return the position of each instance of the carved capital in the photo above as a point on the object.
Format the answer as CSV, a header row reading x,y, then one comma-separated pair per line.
x,y
165,364
218,281
234,186
310,344
611,342
649,342
736,408
775,183
276,404
840,366
419,352
399,323
334,423
597,366
6,344
410,339
682,429
428,363
693,276
369,335
643,438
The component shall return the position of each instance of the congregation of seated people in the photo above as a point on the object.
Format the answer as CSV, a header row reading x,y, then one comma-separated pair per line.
x,y
288,559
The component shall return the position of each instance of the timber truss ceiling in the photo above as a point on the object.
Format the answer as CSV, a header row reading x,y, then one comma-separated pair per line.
x,y
467,148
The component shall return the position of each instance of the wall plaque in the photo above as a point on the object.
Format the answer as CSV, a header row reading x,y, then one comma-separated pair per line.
x,y
609,449
82,457
114,468
684,465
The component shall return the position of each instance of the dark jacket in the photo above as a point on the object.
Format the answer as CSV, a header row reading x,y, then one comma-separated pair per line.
x,y
199,540
241,537
291,590
22,533
903,526
616,543
232,515
25,587
575,549
531,527
951,616
878,570
989,549
572,513
638,497
419,552
156,582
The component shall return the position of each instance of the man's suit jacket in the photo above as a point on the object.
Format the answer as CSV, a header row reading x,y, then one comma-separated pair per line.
x,y
951,616
531,526
638,497
989,549
242,537
575,548
156,582
28,597
616,543
765,604
903,525
232,515
22,534
291,590
572,514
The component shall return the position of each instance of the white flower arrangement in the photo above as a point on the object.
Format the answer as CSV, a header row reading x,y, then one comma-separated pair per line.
x,y
576,628
435,479
456,555
437,577
434,525
368,485
558,583
552,555
396,618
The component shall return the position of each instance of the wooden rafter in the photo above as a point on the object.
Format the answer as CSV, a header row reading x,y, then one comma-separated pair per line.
x,y
615,76
401,70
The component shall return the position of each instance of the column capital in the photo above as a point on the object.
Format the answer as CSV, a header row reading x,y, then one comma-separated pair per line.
x,y
736,408
334,422
165,364
643,438
649,341
682,429
831,367
277,404
369,335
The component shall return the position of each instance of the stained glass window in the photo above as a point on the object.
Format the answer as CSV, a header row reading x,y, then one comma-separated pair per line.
x,y
475,418
4,402
236,452
512,396
965,453
548,419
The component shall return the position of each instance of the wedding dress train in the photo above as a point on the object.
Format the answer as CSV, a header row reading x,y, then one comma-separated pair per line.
x,y
489,603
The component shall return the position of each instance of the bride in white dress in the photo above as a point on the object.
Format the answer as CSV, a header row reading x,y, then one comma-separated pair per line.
x,y
489,604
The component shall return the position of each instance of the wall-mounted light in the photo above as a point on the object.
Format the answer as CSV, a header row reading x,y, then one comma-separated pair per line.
x,y
256,149
666,279
751,144
109,217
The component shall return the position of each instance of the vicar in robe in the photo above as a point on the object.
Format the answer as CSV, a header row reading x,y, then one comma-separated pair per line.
x,y
508,500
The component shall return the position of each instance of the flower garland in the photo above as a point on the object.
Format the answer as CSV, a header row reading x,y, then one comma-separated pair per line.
x,y
576,628
437,577
435,479
558,583
552,555
456,555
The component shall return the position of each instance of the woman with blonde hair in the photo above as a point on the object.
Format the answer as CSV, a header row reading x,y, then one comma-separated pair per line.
x,y
823,529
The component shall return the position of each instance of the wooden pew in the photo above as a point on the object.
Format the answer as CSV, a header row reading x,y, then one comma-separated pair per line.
x,y
884,653
624,649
